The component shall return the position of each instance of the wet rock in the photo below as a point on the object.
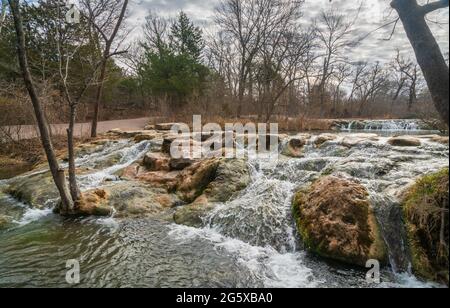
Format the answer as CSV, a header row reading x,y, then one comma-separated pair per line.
x,y
294,147
425,207
129,134
128,199
356,139
321,139
108,161
335,220
149,127
178,164
232,176
440,139
145,136
192,215
156,162
194,180
207,183
363,167
159,179
94,203
404,141
5,222
34,190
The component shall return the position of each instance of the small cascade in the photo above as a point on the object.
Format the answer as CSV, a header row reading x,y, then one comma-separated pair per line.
x,y
385,125
113,160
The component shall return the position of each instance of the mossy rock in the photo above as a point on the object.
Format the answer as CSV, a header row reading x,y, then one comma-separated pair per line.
x,y
425,208
34,190
335,220
210,182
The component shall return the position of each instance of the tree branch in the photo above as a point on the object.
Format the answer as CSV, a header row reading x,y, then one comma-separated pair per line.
x,y
433,6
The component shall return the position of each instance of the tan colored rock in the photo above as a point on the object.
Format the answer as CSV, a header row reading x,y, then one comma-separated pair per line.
x,y
129,199
355,139
294,147
145,136
93,203
156,162
335,220
322,138
441,139
405,141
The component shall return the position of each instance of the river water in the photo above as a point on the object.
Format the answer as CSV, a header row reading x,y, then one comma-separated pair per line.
x,y
247,242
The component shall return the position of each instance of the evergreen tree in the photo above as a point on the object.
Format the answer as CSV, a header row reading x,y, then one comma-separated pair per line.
x,y
186,38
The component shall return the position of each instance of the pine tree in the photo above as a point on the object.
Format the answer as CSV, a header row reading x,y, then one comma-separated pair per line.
x,y
186,38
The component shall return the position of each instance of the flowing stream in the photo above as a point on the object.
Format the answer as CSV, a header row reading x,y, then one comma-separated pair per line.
x,y
249,241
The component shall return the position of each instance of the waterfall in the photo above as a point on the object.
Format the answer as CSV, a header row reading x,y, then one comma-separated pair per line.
x,y
385,125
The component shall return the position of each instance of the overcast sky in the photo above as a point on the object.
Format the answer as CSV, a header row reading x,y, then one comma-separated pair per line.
x,y
374,13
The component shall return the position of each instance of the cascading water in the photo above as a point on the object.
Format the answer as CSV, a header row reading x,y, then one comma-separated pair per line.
x,y
249,241
413,126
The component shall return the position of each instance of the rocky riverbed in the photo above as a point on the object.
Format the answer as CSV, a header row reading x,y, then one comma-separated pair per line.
x,y
311,218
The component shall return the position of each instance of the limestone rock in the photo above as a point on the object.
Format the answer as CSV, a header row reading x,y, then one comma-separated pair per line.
x,y
335,220
404,141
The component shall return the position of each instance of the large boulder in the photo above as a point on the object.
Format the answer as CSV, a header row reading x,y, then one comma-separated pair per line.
x,y
425,207
404,141
207,183
335,220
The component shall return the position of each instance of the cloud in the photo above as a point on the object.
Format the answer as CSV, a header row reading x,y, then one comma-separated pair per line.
x,y
372,15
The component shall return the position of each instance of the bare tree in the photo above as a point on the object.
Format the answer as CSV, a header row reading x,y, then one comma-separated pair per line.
x,y
426,48
281,65
67,204
342,73
408,75
334,31
105,18
370,83
73,93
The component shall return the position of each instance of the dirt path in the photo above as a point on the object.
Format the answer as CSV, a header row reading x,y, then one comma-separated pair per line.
x,y
81,129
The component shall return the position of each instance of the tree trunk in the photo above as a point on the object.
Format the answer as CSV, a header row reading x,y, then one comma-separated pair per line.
x,y
428,53
57,172
98,99
74,191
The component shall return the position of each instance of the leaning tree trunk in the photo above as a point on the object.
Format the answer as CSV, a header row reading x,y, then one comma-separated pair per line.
x,y
57,172
428,53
